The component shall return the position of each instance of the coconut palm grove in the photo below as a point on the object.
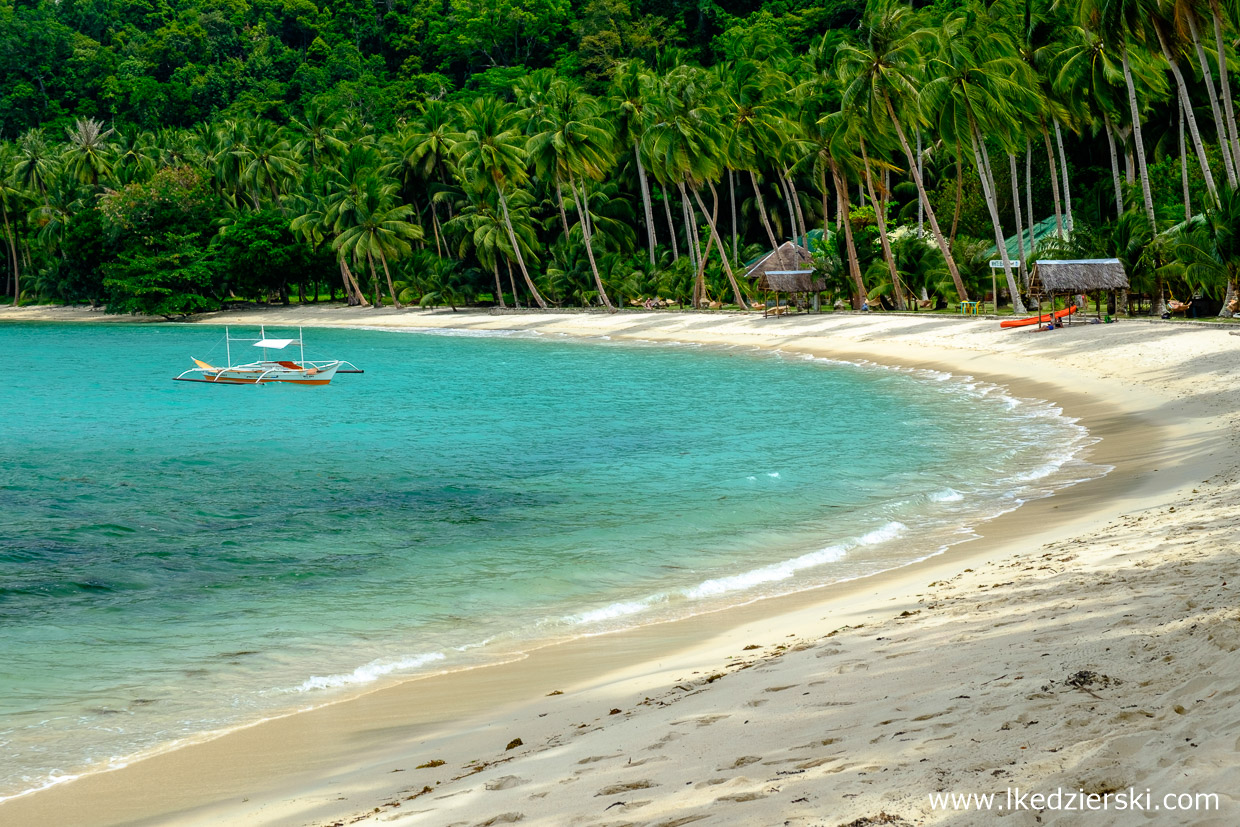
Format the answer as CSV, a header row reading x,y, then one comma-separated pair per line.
x,y
167,157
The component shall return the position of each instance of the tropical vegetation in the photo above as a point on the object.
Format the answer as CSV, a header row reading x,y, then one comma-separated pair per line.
x,y
176,156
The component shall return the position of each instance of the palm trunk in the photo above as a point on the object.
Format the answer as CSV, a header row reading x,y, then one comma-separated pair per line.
x,y
921,192
388,275
854,266
1067,189
959,194
686,215
1119,190
1159,306
374,280
714,230
1186,113
587,235
17,274
1020,229
792,217
1142,169
646,206
992,203
882,229
766,222
499,288
1228,297
796,202
559,203
1029,210
516,249
732,202
1221,126
1050,160
1188,204
435,229
512,283
671,228
351,284
921,213
1225,84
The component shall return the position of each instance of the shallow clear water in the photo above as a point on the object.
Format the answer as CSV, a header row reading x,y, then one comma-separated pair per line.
x,y
177,558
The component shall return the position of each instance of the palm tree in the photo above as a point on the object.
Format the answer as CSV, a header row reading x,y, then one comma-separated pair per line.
x,y
376,226
684,143
629,96
1120,23
492,147
572,144
425,149
11,198
316,139
88,156
34,165
1210,244
883,74
977,82
267,161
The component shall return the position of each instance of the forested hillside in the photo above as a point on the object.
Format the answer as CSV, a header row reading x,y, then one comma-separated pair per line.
x,y
166,157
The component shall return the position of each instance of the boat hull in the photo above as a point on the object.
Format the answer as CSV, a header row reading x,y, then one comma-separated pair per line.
x,y
264,373
1043,319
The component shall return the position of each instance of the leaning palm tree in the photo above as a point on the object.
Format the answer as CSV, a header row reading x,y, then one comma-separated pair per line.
x,y
491,146
12,198
977,87
685,145
884,74
377,227
573,146
1210,246
630,95
1121,24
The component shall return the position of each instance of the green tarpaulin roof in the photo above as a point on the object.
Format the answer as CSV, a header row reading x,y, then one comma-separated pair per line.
x,y
1045,228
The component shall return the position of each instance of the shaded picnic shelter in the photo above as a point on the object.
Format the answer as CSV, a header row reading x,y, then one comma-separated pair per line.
x,y
787,269
1055,277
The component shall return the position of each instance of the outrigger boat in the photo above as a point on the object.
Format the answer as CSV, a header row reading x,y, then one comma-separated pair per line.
x,y
301,372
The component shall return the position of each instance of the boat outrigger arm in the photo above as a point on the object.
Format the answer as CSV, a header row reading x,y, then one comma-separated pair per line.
x,y
302,372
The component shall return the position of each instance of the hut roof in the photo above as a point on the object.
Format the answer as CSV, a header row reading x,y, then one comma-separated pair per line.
x,y
788,269
1080,275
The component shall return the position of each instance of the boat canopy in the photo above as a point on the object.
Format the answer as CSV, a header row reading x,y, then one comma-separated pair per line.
x,y
275,344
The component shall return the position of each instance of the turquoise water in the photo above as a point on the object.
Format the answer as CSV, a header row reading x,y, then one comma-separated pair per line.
x,y
180,558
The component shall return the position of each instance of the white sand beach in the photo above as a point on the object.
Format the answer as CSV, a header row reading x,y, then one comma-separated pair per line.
x,y
1086,643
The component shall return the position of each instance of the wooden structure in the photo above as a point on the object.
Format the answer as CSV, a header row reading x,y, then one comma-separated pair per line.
x,y
1052,277
788,269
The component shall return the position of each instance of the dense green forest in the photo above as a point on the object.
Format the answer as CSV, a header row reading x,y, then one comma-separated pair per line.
x,y
170,156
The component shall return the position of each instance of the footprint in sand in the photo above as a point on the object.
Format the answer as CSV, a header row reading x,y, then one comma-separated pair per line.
x,y
743,761
502,818
742,797
594,758
506,782
616,789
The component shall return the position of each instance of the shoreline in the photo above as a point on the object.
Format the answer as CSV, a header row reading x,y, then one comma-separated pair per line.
x,y
307,765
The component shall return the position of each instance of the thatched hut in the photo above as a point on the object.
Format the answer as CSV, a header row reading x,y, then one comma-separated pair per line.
x,y
786,270
1051,277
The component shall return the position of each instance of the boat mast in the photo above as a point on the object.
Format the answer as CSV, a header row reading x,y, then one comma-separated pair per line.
x,y
301,340
228,345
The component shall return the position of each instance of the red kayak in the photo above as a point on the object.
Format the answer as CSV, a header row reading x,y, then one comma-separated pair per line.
x,y
1043,319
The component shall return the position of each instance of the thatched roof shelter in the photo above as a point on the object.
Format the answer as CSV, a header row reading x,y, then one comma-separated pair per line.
x,y
1081,275
788,270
